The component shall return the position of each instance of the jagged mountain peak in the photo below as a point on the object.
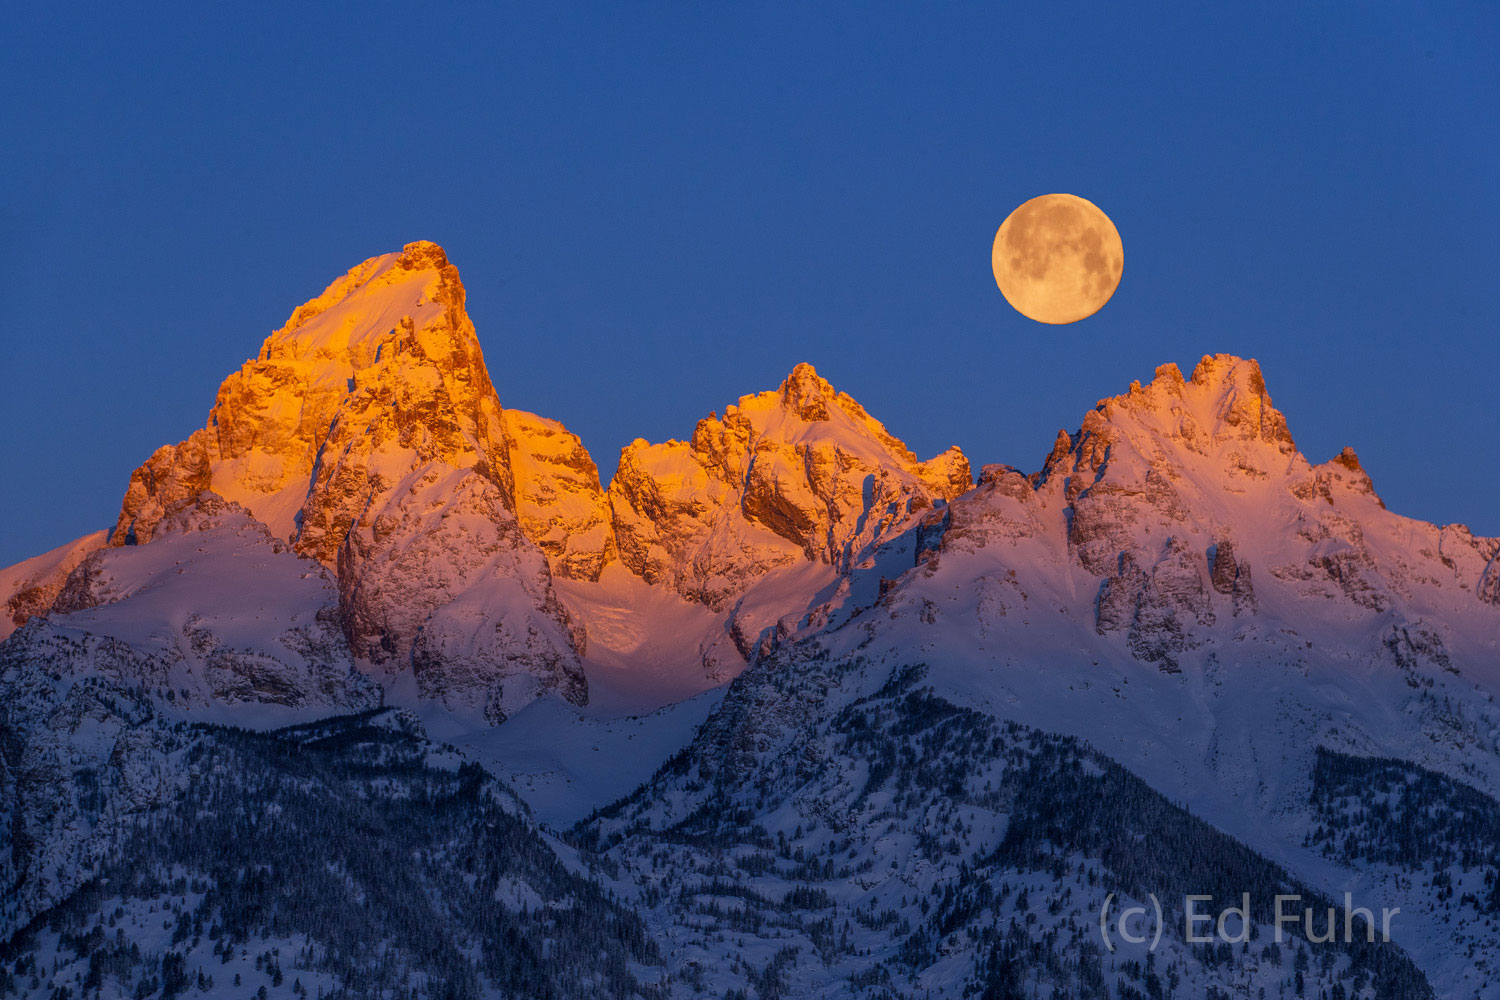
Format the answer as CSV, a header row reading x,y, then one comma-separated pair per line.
x,y
1348,459
807,394
1345,471
1224,402
799,473
803,381
370,300
1218,428
1200,522
392,336
1214,433
806,408
367,433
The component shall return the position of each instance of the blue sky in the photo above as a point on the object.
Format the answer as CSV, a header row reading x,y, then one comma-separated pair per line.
x,y
655,213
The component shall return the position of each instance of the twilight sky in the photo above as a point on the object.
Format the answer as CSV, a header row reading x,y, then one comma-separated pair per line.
x,y
654,216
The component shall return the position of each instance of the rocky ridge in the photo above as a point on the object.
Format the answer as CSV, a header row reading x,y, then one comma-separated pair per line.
x,y
801,473
1184,510
360,519
31,586
367,436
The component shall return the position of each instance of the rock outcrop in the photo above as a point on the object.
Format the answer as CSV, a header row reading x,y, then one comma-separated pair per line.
x,y
795,475
79,760
558,497
30,588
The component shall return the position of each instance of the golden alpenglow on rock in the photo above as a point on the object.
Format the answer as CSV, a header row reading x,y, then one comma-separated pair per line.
x,y
798,474
367,434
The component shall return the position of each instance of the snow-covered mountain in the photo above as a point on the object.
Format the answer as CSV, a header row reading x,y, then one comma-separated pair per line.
x,y
786,477
366,436
271,867
861,723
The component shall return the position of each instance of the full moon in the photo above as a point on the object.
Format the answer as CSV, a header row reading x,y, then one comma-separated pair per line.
x,y
1058,258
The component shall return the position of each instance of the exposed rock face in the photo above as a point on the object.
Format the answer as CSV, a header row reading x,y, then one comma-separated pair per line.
x,y
559,501
1489,584
1133,457
1469,557
367,433
799,474
86,587
1223,569
1156,608
1231,576
1115,608
77,760
388,341
442,575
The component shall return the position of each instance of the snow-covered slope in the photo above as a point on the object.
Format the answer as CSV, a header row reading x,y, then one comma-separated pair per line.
x,y
215,617
1183,589
30,586
840,829
354,855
